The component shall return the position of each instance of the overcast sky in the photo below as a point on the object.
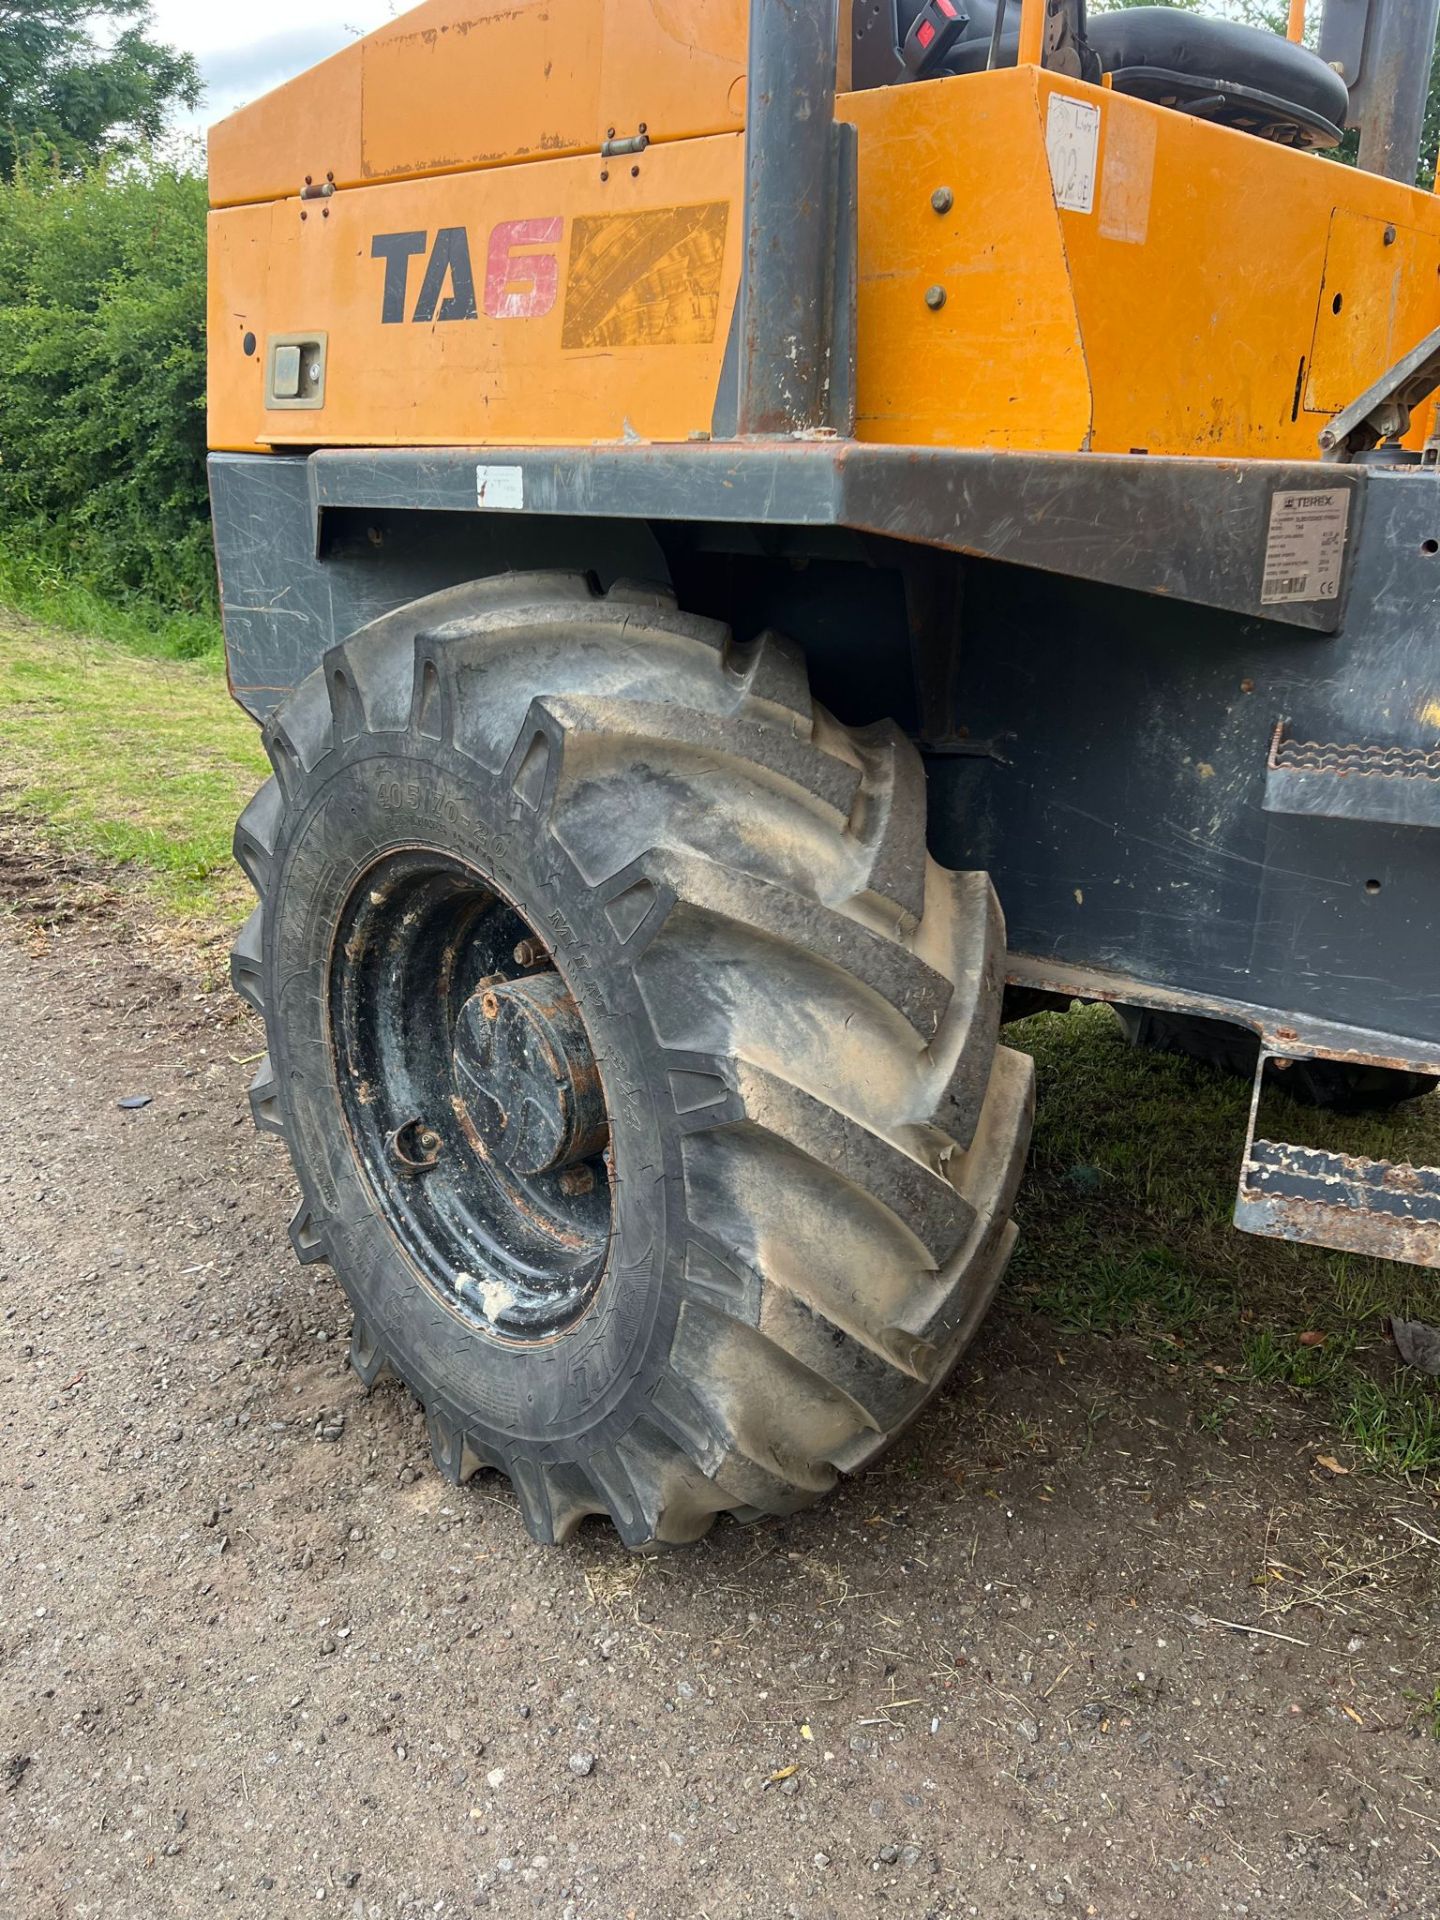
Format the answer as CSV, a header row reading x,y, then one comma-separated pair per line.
x,y
244,51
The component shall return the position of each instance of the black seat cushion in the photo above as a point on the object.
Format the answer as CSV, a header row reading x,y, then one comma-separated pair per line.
x,y
1163,40
1186,60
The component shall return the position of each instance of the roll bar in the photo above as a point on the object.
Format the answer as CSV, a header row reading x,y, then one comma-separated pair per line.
x,y
1383,50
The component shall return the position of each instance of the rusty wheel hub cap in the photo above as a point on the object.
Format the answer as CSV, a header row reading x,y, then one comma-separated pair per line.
x,y
527,1078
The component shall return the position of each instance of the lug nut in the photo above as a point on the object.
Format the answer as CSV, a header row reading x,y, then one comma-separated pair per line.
x,y
529,953
577,1181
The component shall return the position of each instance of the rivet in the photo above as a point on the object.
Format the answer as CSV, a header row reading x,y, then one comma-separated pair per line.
x,y
1389,236
942,200
935,298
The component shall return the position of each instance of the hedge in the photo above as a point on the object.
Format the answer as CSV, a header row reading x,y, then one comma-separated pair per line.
x,y
102,383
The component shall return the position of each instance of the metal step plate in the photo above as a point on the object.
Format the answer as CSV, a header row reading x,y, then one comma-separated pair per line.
x,y
1377,1207
1393,786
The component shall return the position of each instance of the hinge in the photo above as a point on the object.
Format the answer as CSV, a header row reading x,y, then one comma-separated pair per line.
x,y
633,143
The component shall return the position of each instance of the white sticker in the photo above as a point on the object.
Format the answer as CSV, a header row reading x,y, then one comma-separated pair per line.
x,y
1072,140
1305,554
502,489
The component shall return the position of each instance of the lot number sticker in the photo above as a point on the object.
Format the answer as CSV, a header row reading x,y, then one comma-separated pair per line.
x,y
1305,554
1072,139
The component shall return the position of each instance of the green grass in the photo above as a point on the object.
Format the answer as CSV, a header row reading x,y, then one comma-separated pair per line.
x,y
139,763
42,590
1126,1232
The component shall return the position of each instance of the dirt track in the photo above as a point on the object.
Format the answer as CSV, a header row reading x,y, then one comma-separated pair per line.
x,y
256,1657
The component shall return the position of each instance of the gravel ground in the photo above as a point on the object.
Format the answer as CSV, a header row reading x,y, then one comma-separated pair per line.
x,y
256,1657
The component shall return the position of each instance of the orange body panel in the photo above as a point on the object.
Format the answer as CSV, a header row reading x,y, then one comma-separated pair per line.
x,y
611,303
458,84
1001,363
1115,276
1181,313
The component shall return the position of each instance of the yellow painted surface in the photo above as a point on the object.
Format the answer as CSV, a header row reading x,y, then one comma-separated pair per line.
x,y
1177,314
1181,300
456,84
1378,298
492,84
1001,363
645,341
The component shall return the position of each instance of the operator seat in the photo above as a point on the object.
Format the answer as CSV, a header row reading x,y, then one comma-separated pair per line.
x,y
1241,77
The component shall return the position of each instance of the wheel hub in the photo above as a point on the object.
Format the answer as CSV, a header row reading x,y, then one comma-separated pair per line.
x,y
526,1076
472,1093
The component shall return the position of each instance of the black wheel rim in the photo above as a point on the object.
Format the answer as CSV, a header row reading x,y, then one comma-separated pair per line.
x,y
471,1095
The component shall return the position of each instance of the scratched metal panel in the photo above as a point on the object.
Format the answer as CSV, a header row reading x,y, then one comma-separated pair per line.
x,y
1115,784
1190,530
773,484
284,602
275,603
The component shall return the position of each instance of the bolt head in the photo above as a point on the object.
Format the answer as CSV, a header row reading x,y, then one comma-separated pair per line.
x,y
942,200
935,298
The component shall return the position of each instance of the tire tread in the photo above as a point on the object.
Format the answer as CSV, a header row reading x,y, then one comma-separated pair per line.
x,y
850,1187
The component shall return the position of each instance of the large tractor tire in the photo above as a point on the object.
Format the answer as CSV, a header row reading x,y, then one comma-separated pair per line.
x,y
1335,1084
639,1068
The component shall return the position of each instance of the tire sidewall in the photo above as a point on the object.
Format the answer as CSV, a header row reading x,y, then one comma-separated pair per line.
x,y
366,800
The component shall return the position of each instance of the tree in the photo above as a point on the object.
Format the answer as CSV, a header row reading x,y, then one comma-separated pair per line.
x,y
66,91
